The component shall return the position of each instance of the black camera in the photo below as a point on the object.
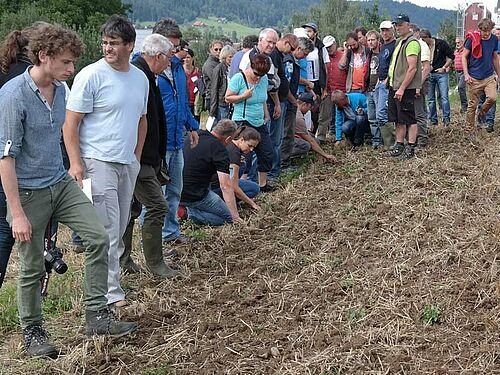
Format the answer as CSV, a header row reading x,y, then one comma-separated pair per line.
x,y
53,260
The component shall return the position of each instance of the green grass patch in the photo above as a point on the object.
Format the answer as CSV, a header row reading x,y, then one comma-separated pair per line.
x,y
8,318
227,27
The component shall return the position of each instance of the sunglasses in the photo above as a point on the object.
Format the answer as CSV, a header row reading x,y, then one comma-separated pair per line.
x,y
292,48
217,49
258,74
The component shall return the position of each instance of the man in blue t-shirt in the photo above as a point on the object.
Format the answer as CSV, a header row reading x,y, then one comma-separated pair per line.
x,y
480,62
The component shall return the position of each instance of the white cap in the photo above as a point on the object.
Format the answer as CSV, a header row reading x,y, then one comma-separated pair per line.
x,y
328,41
300,32
386,25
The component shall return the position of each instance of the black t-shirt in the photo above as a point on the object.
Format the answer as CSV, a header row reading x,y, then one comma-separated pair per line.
x,y
277,59
200,164
236,156
374,64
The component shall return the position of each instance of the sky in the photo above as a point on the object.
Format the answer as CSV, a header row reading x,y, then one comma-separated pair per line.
x,y
452,4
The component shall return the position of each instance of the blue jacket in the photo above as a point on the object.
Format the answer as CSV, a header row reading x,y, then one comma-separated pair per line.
x,y
176,103
356,100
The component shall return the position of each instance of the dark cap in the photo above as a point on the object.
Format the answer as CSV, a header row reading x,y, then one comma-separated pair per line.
x,y
312,25
306,97
401,18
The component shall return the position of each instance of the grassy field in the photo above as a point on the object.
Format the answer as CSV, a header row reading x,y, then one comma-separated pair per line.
x,y
368,266
227,28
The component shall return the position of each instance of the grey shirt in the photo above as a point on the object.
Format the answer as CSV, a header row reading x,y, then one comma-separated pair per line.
x,y
31,131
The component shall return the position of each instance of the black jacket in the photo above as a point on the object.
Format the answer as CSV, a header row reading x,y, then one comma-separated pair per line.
x,y
155,145
218,88
322,68
442,50
15,69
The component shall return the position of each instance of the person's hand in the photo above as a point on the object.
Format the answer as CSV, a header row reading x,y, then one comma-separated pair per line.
x,y
324,94
237,219
248,92
310,85
266,118
76,171
193,138
337,143
21,228
399,95
330,158
360,111
255,206
417,93
467,78
277,112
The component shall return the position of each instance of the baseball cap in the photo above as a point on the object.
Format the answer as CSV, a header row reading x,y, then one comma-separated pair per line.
x,y
386,25
306,97
300,32
401,17
328,41
312,25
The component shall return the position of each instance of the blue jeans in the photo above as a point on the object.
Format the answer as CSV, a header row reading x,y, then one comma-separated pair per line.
x,y
380,95
439,81
489,119
462,91
250,188
372,118
222,112
354,130
6,239
211,210
175,164
276,129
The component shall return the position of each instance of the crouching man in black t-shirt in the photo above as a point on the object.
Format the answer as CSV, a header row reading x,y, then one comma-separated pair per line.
x,y
210,157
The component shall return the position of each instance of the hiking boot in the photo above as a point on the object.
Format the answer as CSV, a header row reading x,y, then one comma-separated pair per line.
x,y
396,151
408,153
105,322
36,342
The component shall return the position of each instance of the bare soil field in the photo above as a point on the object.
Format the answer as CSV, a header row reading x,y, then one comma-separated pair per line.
x,y
369,266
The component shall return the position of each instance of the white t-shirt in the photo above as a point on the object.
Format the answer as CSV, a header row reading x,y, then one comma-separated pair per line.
x,y
425,51
113,103
313,63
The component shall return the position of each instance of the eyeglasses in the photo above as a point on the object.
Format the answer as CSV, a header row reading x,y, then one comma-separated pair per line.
x,y
292,48
258,74
111,44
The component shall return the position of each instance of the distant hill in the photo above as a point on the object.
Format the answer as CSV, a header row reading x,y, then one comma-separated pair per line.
x,y
424,17
260,13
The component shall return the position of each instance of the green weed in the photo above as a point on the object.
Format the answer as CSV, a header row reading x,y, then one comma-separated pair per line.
x,y
356,314
431,315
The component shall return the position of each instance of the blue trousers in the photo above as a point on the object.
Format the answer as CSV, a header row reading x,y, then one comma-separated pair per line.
x,y
211,210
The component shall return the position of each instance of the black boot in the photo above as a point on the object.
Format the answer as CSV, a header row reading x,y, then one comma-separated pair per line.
x,y
105,322
36,342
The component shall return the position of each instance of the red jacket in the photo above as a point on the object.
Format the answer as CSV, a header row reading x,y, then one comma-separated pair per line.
x,y
475,37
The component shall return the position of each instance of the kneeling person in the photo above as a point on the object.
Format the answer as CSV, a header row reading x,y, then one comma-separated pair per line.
x,y
351,115
304,141
38,188
209,157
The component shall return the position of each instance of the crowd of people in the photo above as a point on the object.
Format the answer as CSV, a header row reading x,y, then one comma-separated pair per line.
x,y
131,126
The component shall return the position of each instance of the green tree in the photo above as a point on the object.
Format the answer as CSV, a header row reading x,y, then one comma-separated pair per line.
x,y
448,30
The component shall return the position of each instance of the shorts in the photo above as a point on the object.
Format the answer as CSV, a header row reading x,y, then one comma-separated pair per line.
x,y
402,112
